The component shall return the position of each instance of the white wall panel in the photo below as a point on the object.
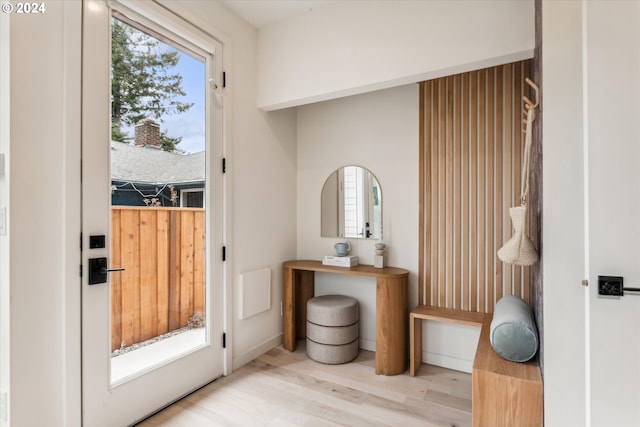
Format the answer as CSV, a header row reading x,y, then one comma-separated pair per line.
x,y
563,214
261,177
378,131
613,89
352,47
44,215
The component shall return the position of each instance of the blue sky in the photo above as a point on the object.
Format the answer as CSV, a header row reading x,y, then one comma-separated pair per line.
x,y
189,125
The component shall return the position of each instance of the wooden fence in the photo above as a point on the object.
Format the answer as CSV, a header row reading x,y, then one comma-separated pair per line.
x,y
163,284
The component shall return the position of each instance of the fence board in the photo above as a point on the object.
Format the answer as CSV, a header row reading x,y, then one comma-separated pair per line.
x,y
163,285
174,270
199,265
186,267
148,275
116,283
162,223
129,223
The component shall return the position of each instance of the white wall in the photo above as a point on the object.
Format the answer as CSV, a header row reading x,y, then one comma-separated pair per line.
x,y
591,64
613,87
378,131
351,47
261,166
5,116
261,163
44,216
44,352
263,170
563,214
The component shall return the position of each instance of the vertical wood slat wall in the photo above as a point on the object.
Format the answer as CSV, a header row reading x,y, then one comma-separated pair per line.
x,y
471,142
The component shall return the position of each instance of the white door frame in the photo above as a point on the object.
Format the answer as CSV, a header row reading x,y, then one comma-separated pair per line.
x,y
95,50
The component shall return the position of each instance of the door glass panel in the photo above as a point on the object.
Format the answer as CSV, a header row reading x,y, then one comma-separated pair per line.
x,y
158,232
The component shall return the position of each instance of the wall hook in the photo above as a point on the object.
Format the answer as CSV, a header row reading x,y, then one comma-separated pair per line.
x,y
214,89
529,110
536,90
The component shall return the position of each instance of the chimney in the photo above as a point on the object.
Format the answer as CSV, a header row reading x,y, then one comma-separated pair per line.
x,y
147,133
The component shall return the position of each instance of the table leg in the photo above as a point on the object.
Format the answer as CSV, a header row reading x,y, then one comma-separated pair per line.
x,y
304,292
391,325
297,289
288,309
415,340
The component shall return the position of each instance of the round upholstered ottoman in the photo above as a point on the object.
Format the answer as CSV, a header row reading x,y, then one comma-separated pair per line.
x,y
332,329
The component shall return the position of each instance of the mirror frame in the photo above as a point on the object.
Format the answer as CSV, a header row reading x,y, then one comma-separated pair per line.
x,y
333,212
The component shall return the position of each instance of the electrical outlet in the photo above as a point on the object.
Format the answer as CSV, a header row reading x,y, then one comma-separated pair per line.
x,y
610,286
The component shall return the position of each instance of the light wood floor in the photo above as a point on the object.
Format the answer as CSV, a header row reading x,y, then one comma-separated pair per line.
x,y
288,389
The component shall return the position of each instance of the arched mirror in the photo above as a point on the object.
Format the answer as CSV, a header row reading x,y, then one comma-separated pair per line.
x,y
351,204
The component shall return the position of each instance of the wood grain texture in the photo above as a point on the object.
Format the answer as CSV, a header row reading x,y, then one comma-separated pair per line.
x,y
470,165
488,360
504,393
148,274
199,264
288,308
282,388
174,270
130,258
391,308
163,284
162,280
358,270
424,170
391,325
423,312
415,343
305,287
116,283
469,318
186,248
513,402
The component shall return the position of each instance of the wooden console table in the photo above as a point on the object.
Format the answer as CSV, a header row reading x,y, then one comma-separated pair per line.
x,y
391,308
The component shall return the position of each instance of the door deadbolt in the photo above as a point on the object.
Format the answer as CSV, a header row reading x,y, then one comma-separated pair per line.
x,y
98,270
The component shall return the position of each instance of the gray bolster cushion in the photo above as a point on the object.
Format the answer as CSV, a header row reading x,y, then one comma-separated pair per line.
x,y
513,331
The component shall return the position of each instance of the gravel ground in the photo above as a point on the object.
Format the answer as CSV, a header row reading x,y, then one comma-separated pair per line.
x,y
124,350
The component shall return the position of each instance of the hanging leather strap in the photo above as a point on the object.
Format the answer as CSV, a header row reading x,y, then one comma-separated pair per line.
x,y
524,183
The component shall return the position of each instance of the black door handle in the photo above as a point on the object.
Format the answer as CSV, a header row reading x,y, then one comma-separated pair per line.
x,y
98,270
111,270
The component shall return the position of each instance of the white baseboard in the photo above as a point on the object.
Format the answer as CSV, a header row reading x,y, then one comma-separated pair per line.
x,y
366,344
255,352
447,362
260,349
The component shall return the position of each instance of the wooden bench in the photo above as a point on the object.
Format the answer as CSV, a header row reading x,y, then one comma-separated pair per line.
x,y
505,393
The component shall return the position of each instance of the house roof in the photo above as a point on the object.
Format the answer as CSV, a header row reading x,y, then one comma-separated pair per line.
x,y
151,165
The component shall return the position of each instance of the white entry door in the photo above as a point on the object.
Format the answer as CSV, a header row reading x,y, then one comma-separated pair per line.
x,y
613,55
152,291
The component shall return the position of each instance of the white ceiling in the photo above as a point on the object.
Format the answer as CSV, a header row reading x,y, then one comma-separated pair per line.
x,y
261,13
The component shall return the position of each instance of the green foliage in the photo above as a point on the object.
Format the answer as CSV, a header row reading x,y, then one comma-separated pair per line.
x,y
117,134
170,144
142,82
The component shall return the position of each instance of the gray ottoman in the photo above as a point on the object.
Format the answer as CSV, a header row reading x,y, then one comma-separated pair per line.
x,y
332,329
